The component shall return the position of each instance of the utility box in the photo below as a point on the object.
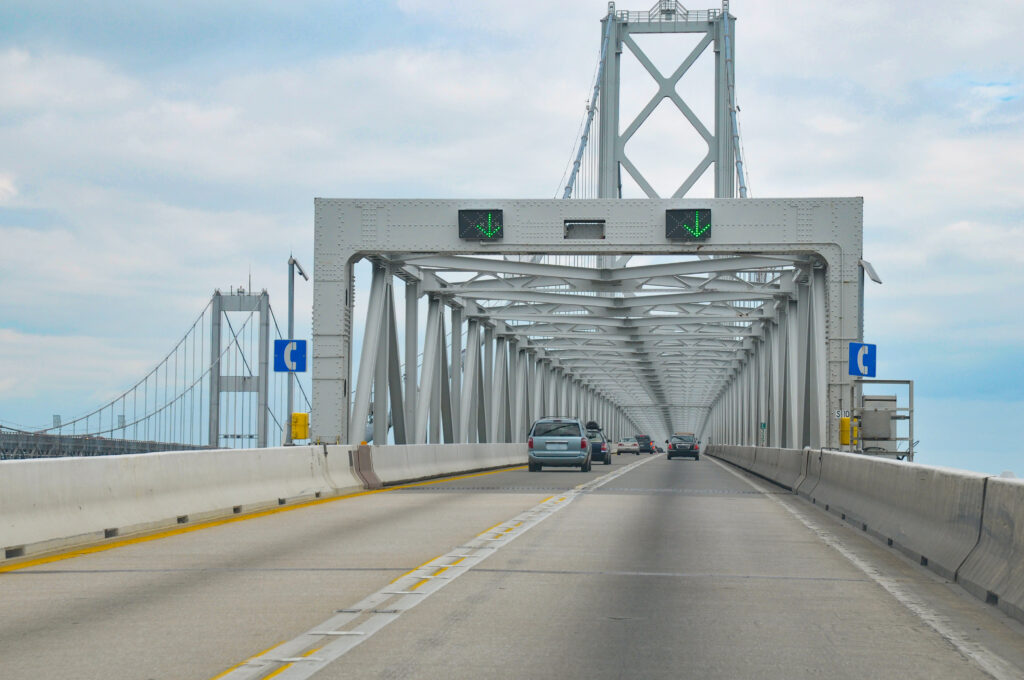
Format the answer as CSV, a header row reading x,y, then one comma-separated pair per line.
x,y
300,426
878,424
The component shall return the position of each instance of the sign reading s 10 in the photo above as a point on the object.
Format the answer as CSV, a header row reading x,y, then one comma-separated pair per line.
x,y
688,224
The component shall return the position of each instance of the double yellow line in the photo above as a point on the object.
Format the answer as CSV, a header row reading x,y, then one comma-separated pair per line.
x,y
89,550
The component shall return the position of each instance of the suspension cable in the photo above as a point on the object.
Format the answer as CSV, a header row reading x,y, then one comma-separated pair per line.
x,y
592,109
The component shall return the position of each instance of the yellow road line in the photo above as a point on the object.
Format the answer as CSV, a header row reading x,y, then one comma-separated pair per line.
x,y
288,665
254,656
89,550
415,568
490,530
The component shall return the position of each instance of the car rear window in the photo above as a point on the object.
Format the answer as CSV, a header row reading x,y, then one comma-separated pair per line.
x,y
550,429
684,439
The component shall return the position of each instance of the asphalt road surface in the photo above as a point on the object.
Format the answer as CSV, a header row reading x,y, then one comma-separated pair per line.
x,y
646,568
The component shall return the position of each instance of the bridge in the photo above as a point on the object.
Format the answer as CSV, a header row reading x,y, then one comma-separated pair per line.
x,y
418,544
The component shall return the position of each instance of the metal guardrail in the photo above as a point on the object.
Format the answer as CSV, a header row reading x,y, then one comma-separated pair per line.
x,y
668,10
24,445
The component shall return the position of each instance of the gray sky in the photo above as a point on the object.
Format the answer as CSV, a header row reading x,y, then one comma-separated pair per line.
x,y
152,152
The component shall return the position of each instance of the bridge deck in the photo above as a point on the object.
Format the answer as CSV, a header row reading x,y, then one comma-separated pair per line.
x,y
655,569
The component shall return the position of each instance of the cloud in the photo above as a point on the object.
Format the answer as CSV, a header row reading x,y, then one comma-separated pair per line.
x,y
145,166
8,191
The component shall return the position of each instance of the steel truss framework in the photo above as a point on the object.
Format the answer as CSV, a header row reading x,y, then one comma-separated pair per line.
x,y
740,338
668,16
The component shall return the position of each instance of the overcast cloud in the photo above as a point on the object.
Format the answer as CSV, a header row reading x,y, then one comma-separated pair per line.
x,y
153,152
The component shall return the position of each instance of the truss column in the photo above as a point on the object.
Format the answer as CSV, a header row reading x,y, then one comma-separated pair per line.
x,y
380,375
428,370
445,386
519,395
498,393
776,394
368,356
818,383
754,370
488,371
539,389
468,405
411,355
434,427
764,377
456,372
395,373
551,387
792,426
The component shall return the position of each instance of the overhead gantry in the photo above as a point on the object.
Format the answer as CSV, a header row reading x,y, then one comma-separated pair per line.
x,y
601,309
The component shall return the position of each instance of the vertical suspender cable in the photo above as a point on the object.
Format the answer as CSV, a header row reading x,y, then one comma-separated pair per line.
x,y
592,109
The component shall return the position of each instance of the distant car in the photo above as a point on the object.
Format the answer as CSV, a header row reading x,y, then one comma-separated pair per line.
x,y
644,444
627,445
599,448
684,444
558,442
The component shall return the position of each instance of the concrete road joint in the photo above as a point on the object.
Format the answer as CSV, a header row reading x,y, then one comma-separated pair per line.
x,y
335,637
989,662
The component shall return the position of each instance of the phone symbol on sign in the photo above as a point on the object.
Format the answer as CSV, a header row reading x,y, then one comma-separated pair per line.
x,y
288,361
862,354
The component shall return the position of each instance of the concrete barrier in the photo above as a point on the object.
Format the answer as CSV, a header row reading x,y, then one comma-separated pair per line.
x,y
48,504
782,466
741,456
812,473
931,514
398,464
994,572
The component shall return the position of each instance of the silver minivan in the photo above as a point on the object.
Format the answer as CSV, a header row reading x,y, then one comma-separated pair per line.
x,y
558,442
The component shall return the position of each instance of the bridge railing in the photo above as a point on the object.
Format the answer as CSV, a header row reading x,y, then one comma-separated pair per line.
x,y
21,445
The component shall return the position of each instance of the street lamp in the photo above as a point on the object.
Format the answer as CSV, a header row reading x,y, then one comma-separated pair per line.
x,y
292,265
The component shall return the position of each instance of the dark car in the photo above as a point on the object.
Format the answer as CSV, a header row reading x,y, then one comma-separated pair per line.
x,y
683,444
600,449
644,444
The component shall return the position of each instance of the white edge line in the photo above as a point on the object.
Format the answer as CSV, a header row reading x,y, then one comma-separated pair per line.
x,y
989,662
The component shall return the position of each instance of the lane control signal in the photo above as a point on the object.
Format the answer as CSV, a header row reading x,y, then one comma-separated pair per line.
x,y
481,225
688,224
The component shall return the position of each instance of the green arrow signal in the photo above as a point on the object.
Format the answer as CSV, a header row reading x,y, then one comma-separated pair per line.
x,y
490,230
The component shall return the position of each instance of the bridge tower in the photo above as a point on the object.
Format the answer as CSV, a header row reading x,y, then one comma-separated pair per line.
x,y
669,16
254,382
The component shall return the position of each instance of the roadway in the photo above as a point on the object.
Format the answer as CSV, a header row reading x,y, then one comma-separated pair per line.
x,y
645,568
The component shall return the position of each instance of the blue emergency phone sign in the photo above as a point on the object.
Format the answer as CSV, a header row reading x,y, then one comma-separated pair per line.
x,y
289,356
862,359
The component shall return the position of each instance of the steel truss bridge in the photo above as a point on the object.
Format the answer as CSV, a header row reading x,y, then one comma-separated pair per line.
x,y
584,307
446,557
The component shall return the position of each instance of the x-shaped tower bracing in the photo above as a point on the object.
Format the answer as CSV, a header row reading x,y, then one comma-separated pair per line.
x,y
745,327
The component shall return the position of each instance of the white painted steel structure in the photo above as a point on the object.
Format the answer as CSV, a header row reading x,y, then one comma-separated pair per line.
x,y
717,337
669,16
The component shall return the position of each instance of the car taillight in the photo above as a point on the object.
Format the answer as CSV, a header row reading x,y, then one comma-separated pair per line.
x,y
696,447
529,443
604,448
583,444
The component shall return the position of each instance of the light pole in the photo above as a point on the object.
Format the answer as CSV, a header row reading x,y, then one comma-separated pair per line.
x,y
292,265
